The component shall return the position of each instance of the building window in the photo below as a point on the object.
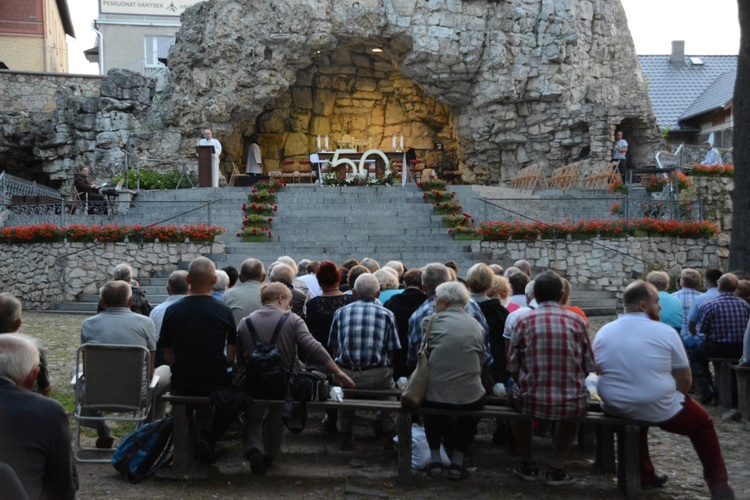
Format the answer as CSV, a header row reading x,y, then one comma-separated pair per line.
x,y
157,47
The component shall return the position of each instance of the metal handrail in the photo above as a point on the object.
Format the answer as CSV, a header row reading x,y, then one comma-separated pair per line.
x,y
11,186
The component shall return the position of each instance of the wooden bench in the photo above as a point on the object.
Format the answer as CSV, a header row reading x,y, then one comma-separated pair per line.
x,y
723,379
606,428
743,390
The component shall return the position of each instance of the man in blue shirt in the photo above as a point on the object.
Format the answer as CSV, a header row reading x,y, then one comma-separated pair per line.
x,y
711,276
723,321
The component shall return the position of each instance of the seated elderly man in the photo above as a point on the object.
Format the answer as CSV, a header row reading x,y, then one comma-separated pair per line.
x,y
264,432
139,302
35,433
10,322
221,286
644,374
117,324
362,341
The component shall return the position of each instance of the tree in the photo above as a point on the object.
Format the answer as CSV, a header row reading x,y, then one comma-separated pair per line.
x,y
739,246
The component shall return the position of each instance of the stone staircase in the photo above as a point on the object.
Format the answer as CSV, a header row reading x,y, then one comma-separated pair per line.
x,y
337,223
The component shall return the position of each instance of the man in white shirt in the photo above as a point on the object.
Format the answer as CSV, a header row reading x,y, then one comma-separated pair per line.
x,y
208,140
644,374
712,155
619,154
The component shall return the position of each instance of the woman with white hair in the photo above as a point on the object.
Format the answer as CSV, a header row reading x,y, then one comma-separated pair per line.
x,y
140,304
388,280
456,355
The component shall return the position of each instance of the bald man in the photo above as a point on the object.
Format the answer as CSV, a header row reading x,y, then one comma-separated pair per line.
x,y
194,334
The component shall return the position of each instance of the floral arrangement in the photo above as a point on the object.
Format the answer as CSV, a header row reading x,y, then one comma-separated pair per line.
x,y
333,179
255,231
270,185
726,170
617,187
49,233
446,207
464,231
434,195
256,220
656,183
615,209
259,208
431,184
456,220
262,196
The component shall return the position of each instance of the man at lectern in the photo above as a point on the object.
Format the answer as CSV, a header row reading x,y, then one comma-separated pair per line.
x,y
208,140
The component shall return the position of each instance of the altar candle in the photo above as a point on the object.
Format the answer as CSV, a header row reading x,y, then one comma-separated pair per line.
x,y
393,143
326,139
318,142
401,143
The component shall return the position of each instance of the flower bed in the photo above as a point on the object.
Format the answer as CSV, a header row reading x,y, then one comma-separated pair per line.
x,y
590,228
446,207
50,233
435,195
259,208
255,234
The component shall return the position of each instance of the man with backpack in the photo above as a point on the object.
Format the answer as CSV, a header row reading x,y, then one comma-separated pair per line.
x,y
273,328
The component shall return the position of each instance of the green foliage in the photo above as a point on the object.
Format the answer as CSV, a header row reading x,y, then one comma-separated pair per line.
x,y
151,179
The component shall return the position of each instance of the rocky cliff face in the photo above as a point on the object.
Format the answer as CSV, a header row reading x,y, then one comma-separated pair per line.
x,y
488,86
523,81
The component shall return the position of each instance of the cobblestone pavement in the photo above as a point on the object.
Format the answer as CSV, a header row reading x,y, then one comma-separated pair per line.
x,y
312,467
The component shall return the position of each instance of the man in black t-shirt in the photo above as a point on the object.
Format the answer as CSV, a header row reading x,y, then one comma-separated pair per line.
x,y
194,334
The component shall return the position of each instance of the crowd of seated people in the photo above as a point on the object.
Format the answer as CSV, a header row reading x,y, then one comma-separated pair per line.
x,y
362,324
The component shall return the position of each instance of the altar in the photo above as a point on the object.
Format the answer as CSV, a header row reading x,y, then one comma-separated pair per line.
x,y
358,161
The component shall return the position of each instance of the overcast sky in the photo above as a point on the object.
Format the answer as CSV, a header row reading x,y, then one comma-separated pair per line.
x,y
709,27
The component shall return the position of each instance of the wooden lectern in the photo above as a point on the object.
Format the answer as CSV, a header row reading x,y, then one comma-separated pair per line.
x,y
204,165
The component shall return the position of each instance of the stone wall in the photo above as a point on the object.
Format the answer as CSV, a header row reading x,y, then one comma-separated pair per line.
x,y
352,93
37,92
46,274
606,264
716,194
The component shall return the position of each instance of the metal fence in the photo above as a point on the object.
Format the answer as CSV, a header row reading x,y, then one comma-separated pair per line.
x,y
12,188
556,210
144,213
687,155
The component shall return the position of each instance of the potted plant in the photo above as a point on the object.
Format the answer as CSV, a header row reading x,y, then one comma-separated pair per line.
x,y
255,234
465,233
446,207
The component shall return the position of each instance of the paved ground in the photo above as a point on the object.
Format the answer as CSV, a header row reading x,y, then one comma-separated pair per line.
x,y
312,467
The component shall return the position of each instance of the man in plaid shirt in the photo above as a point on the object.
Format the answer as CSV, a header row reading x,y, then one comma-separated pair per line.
x,y
362,341
550,357
723,321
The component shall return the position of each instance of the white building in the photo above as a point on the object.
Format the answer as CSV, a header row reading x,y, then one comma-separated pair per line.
x,y
135,34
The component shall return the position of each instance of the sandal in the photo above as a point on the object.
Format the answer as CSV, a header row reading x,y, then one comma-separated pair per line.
x,y
457,472
434,469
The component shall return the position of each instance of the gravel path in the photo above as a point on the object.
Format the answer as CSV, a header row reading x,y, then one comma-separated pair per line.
x,y
312,466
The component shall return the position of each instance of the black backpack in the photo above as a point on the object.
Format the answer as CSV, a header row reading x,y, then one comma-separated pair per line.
x,y
144,451
266,376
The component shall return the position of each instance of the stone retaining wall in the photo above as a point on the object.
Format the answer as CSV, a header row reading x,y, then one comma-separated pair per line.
x,y
45,274
716,194
34,92
606,264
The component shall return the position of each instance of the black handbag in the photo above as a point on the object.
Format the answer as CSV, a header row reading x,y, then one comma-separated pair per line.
x,y
308,385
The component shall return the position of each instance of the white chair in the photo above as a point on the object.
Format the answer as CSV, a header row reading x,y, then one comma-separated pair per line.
x,y
117,387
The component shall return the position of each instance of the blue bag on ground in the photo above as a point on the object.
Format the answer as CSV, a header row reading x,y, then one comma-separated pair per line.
x,y
144,451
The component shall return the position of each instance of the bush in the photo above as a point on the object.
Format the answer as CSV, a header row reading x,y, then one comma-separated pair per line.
x,y
151,179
